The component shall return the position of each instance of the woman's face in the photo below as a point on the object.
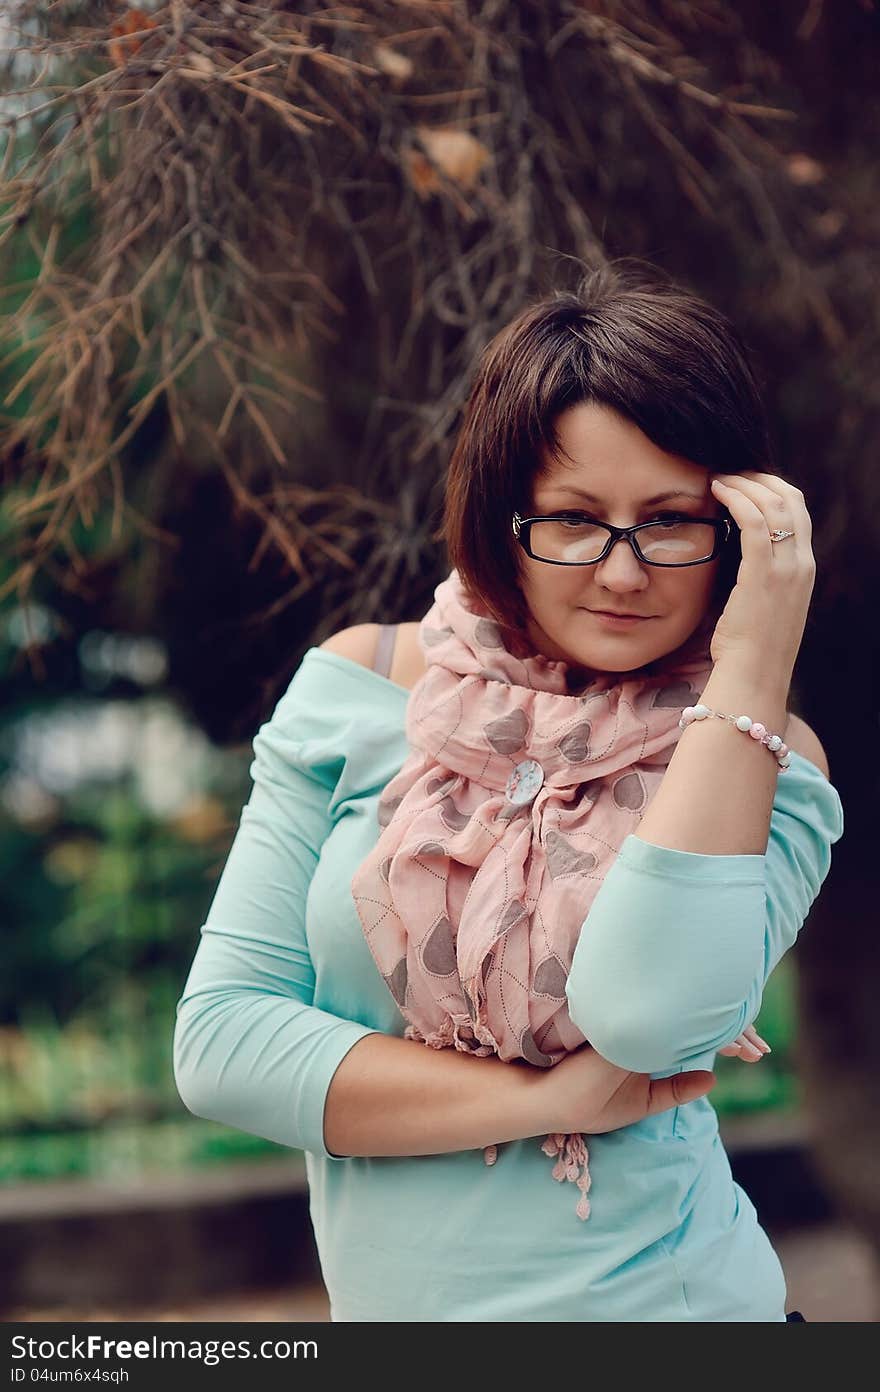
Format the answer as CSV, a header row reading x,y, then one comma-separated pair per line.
x,y
611,459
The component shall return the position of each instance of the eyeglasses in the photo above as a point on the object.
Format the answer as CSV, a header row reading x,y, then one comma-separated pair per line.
x,y
570,538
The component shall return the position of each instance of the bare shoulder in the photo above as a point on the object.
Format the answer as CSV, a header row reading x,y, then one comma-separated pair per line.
x,y
359,643
804,741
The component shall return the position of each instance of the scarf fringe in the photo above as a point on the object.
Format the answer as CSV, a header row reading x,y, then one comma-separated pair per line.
x,y
572,1165
466,1037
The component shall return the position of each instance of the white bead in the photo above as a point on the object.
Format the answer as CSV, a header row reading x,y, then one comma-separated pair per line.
x,y
774,742
784,762
701,712
688,713
743,722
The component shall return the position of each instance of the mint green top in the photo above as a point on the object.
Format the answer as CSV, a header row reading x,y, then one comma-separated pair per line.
x,y
670,967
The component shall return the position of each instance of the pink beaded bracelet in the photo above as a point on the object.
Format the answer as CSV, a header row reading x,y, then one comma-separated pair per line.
x,y
774,743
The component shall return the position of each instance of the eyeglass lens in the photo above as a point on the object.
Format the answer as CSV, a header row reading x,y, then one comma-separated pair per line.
x,y
575,541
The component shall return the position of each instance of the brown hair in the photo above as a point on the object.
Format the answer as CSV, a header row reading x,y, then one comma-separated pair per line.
x,y
627,338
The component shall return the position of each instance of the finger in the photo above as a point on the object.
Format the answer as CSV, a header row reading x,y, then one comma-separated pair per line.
x,y
749,1046
749,1054
664,1093
774,481
751,1036
754,531
777,506
782,504
751,478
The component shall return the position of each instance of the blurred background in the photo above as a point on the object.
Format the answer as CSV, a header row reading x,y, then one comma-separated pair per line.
x,y
249,254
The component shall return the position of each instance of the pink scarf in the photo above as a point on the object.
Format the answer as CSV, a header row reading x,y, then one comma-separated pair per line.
x,y
499,829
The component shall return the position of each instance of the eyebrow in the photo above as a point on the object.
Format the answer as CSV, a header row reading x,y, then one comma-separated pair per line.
x,y
649,502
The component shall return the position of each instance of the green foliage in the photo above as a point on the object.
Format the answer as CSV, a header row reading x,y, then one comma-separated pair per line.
x,y
109,897
127,1150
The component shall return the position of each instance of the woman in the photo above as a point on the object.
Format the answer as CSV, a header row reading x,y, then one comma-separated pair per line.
x,y
573,880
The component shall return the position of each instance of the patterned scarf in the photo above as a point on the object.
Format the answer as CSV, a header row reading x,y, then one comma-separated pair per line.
x,y
499,829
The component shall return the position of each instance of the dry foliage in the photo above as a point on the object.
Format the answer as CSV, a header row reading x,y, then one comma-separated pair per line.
x,y
305,222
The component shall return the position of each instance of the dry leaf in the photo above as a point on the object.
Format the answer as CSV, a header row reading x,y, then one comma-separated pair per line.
x,y
122,46
201,61
803,169
393,63
457,153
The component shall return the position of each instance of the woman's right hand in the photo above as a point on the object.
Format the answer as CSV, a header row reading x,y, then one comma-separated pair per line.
x,y
584,1092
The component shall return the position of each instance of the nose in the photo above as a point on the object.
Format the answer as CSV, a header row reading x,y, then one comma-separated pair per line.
x,y
621,570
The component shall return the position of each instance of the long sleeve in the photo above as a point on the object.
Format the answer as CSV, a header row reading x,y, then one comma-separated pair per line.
x,y
675,951
250,1048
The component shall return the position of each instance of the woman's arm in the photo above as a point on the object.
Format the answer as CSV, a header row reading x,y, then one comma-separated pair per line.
x,y
716,795
718,790
700,905
412,1100
675,951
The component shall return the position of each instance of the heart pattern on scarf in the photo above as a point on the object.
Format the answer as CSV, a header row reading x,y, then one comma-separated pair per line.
x,y
514,912
629,792
508,734
396,982
564,859
531,1053
488,634
438,950
550,978
452,817
386,810
676,695
575,746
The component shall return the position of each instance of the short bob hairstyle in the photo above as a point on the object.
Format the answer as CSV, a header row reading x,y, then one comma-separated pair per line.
x,y
627,338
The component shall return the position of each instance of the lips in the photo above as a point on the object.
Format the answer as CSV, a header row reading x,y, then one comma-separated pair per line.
x,y
619,614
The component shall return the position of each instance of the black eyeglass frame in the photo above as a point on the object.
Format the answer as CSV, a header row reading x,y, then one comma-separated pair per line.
x,y
522,530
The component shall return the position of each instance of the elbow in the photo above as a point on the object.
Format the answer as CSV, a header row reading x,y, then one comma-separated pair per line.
x,y
625,1027
626,1034
644,1037
194,1086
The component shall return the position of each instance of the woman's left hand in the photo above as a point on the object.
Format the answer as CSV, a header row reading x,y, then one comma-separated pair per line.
x,y
766,612
748,1046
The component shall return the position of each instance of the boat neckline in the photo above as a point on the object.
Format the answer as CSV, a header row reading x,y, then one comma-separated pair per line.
x,y
349,663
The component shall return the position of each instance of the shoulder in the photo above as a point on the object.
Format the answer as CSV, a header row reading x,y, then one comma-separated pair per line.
x,y
357,643
804,741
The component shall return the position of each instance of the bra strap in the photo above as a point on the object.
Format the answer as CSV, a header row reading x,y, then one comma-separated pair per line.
x,y
385,649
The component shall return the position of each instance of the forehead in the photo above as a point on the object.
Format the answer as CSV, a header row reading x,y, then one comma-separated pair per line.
x,y
607,457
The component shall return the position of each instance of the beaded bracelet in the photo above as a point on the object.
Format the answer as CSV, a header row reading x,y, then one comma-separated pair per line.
x,y
774,743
